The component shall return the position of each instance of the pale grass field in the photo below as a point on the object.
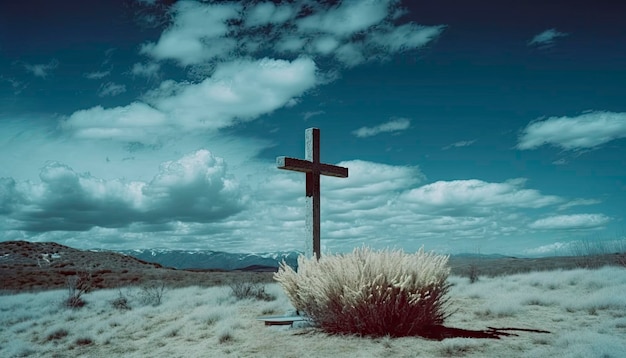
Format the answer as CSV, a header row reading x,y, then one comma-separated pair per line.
x,y
585,311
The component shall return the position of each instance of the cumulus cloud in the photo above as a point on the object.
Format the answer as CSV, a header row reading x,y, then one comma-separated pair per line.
x,y
189,199
228,47
42,70
587,130
358,204
546,38
394,125
134,122
379,204
202,32
9,195
195,188
265,13
575,221
111,89
476,197
345,19
237,91
374,179
198,33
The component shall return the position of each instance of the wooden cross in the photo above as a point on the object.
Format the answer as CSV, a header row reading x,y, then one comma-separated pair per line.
x,y
313,169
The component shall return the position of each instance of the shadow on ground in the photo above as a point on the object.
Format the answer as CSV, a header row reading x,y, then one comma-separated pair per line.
x,y
440,333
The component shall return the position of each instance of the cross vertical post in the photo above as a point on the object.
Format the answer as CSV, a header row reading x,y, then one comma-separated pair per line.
x,y
313,169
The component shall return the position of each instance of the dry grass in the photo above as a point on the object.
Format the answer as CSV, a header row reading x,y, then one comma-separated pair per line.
x,y
585,311
370,293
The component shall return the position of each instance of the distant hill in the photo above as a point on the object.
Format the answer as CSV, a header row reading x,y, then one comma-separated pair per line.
x,y
468,255
45,265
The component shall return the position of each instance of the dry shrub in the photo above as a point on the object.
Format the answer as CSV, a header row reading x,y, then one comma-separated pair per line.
x,y
57,334
245,290
152,293
121,302
370,293
77,286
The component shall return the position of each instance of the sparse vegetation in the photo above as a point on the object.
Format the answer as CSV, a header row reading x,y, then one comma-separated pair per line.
x,y
121,302
584,310
587,252
472,273
152,293
57,334
83,341
370,293
225,337
77,286
246,290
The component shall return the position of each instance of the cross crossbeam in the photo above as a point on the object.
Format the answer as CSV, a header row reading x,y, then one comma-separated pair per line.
x,y
313,169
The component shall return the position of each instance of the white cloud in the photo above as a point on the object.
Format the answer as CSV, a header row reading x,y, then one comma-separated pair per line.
x,y
325,45
9,195
134,122
463,143
310,114
476,197
203,33
374,179
198,33
350,55
189,200
42,70
379,204
97,75
220,43
195,188
17,86
546,38
111,89
290,44
587,130
149,70
575,221
347,18
578,202
268,13
395,125
407,36
237,91
557,248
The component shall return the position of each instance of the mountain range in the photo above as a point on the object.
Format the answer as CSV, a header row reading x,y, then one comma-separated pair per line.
x,y
209,259
44,265
214,260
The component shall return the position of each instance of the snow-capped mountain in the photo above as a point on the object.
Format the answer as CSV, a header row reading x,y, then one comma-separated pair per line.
x,y
208,259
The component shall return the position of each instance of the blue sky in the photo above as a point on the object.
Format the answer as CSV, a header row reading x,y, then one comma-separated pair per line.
x,y
483,127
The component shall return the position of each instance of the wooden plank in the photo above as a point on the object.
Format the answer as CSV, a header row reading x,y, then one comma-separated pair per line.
x,y
280,320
